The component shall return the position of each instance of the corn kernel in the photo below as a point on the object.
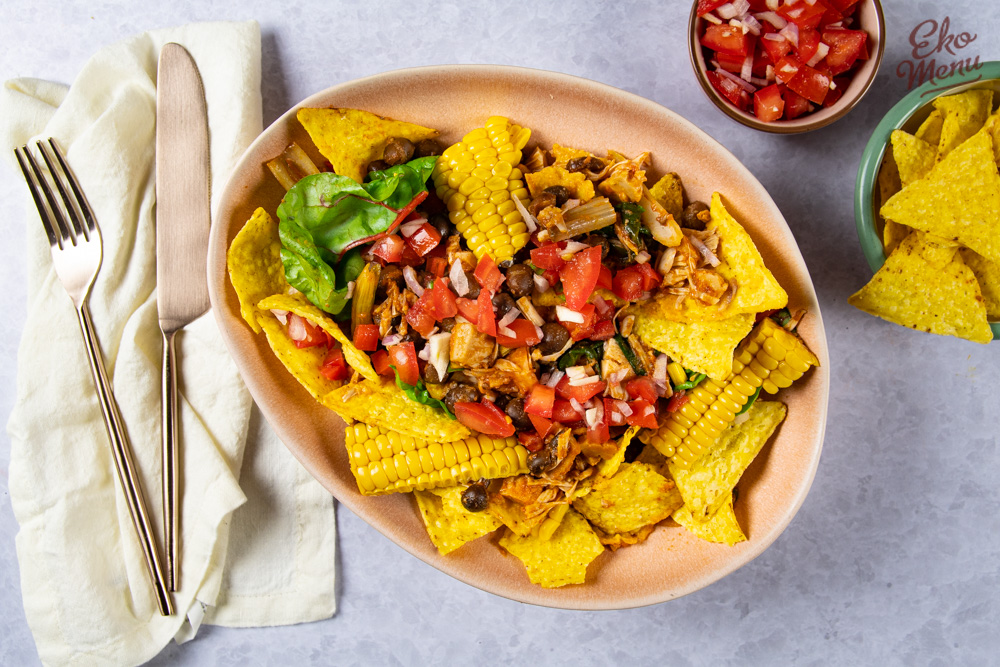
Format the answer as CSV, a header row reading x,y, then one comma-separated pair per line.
x,y
496,183
511,156
500,197
483,174
482,193
478,133
496,232
470,185
455,201
521,193
473,205
676,373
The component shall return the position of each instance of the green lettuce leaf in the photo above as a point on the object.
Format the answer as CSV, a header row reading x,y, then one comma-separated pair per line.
x,y
420,394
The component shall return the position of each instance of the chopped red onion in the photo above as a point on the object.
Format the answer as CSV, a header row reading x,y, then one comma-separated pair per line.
x,y
511,315
297,328
775,20
282,315
821,52
392,339
712,18
752,24
408,229
541,284
703,249
576,405
564,314
459,281
573,247
660,368
574,372
582,382
732,77
624,408
410,276
727,11
746,70
554,378
594,415
791,33
425,353
642,257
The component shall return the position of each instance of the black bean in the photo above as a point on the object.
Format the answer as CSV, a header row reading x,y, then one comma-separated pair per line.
x,y
475,498
460,393
398,151
520,280
503,302
561,193
689,216
554,338
515,410
427,147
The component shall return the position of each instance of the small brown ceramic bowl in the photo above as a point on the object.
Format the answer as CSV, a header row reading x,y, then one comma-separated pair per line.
x,y
870,19
573,112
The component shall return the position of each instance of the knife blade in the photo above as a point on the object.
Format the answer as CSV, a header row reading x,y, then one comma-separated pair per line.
x,y
182,224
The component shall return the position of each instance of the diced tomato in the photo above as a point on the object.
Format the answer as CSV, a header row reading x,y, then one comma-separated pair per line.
x,y
706,6
366,337
334,366
727,39
600,431
539,401
768,105
808,44
729,89
843,6
776,48
730,62
389,248
642,387
424,239
484,417
650,278
468,308
486,319
549,256
552,277
643,414
437,265
579,277
405,212
615,415
841,83
786,68
541,424
380,360
531,440
761,60
564,413
525,334
581,392
846,48
632,281
603,330
802,14
677,401
304,333
579,331
443,300
795,104
604,279
420,316
488,275
811,84
758,6
404,357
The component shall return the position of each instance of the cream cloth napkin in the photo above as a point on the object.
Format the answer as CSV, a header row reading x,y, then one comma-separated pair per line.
x,y
86,594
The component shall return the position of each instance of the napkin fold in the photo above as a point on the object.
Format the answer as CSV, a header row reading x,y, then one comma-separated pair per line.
x,y
86,594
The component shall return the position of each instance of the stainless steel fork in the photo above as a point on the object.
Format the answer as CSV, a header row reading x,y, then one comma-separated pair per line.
x,y
77,251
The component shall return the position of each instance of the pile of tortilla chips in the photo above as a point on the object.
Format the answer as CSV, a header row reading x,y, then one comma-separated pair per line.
x,y
940,194
622,501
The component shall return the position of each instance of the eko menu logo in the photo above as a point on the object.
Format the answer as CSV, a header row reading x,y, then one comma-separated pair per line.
x,y
936,53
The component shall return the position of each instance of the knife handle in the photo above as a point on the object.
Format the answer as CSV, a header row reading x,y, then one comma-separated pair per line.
x,y
171,491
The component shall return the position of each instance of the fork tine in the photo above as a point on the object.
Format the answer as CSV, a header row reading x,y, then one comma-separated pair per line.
x,y
57,177
21,155
81,198
60,221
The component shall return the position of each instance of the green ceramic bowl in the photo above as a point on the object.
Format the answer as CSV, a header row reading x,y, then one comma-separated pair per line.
x,y
907,115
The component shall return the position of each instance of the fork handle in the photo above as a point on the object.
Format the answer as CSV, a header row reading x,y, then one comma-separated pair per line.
x,y
121,451
171,492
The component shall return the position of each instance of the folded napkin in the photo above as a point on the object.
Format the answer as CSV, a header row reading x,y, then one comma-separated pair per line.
x,y
86,593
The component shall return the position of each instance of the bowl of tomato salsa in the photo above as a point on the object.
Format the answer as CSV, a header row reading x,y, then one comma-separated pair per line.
x,y
786,66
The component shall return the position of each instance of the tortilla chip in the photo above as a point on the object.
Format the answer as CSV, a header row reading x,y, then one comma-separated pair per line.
x,y
669,193
350,138
560,560
298,304
563,154
636,496
553,519
925,285
607,468
616,541
254,261
512,515
914,157
988,275
576,182
651,456
449,524
722,527
959,199
889,183
304,364
930,129
964,114
892,234
709,482
381,403
704,347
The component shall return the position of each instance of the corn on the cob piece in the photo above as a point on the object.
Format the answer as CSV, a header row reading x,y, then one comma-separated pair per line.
x,y
478,180
770,358
385,461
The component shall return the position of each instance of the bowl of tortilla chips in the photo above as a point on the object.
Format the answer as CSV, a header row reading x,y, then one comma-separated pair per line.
x,y
927,208
672,560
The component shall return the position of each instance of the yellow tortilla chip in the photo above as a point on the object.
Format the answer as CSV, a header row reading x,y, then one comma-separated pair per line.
x,y
705,347
964,114
988,275
959,199
560,560
254,261
889,183
892,234
669,193
636,496
449,524
616,541
304,364
576,182
563,154
914,157
721,528
298,304
607,468
925,285
710,480
651,456
382,403
930,129
350,138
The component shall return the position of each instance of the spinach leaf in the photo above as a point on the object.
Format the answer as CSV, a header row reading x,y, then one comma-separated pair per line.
x,y
753,397
632,222
630,355
582,351
692,381
420,394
